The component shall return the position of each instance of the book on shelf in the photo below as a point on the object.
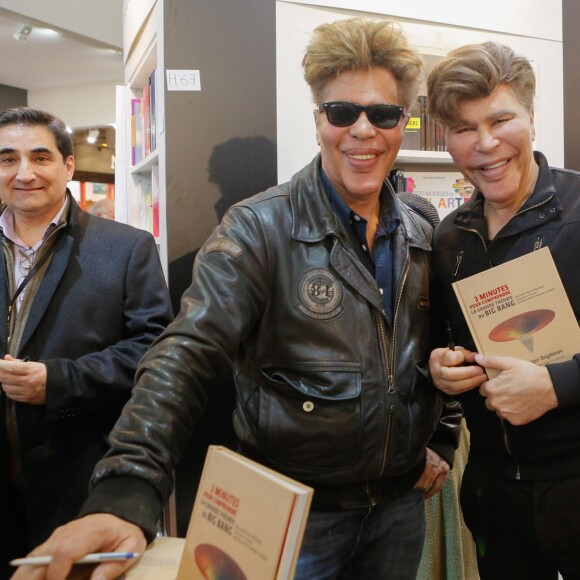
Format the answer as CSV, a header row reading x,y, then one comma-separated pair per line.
x,y
422,133
146,200
155,215
144,121
146,104
422,99
153,109
247,521
440,140
136,131
412,133
155,219
520,309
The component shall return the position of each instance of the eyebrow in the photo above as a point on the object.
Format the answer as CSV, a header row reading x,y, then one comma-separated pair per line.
x,y
491,117
36,150
502,113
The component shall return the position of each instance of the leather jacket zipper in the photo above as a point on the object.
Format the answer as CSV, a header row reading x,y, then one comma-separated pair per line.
x,y
390,389
395,318
389,352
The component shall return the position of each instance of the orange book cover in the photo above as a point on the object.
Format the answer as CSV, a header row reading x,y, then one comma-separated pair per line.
x,y
247,521
520,309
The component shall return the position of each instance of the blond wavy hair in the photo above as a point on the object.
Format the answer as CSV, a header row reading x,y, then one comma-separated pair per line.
x,y
472,72
360,44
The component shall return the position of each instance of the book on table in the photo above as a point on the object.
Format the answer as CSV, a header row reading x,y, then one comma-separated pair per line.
x,y
247,521
520,309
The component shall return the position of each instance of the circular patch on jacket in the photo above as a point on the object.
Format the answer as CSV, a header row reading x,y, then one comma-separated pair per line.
x,y
320,295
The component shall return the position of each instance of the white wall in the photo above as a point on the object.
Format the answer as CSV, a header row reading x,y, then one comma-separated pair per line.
x,y
98,19
539,19
78,106
295,21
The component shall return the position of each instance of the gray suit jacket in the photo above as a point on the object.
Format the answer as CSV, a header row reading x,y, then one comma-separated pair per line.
x,y
100,304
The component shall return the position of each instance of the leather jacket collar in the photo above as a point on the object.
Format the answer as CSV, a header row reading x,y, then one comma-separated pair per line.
x,y
313,218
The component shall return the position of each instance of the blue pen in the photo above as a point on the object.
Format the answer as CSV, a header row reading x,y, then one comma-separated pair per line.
x,y
88,559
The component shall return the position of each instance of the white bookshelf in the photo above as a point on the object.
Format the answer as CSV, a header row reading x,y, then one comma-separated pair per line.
x,y
139,184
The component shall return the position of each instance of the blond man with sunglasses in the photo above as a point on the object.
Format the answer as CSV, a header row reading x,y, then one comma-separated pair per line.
x,y
316,292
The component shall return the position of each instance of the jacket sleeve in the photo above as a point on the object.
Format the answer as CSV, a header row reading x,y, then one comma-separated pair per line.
x,y
445,439
95,381
566,380
224,303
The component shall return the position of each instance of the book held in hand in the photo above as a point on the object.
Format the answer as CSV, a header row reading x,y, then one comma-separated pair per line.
x,y
520,309
247,521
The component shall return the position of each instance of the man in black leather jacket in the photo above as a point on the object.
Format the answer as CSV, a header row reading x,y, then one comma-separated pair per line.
x,y
521,487
316,292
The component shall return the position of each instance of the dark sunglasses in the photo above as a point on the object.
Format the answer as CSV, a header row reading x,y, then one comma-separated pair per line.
x,y
345,114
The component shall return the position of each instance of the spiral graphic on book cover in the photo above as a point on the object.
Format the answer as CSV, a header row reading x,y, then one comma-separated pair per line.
x,y
215,564
522,327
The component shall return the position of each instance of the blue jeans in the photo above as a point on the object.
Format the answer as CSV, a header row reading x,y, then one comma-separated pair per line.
x,y
384,541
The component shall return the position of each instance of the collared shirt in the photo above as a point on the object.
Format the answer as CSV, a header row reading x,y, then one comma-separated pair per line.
x,y
379,261
24,256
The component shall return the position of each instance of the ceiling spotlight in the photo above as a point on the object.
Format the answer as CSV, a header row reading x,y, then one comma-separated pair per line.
x,y
23,31
93,136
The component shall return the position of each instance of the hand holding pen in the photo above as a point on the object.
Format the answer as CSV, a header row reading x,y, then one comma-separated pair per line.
x,y
111,544
450,341
452,369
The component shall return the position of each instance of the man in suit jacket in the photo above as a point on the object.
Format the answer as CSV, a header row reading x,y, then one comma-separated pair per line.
x,y
81,300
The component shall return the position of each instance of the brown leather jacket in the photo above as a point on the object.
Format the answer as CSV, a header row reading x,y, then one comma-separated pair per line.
x,y
328,392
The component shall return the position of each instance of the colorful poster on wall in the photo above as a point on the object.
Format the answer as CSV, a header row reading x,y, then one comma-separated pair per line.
x,y
446,190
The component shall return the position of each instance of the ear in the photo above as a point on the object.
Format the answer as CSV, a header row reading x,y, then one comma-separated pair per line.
x,y
70,167
533,125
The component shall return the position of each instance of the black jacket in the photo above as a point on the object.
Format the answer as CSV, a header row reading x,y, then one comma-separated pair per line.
x,y
550,446
100,304
327,391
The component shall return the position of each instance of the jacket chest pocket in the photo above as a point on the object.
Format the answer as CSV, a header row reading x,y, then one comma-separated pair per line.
x,y
311,416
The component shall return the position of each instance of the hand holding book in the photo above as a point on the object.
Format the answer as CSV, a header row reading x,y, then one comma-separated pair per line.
x,y
520,309
521,392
